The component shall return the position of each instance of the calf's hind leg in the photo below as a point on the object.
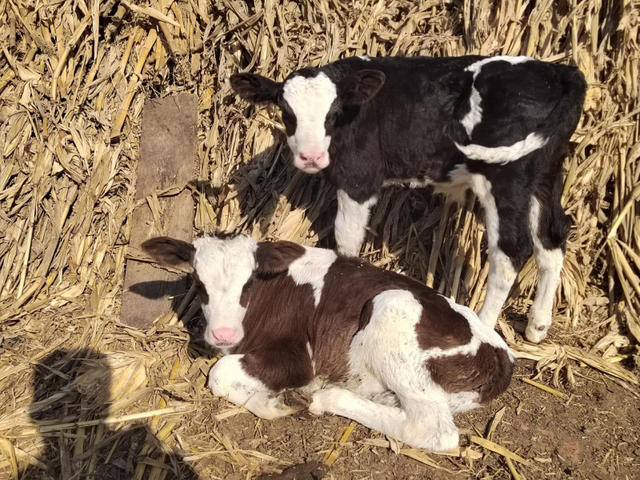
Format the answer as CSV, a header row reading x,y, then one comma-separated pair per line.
x,y
508,236
229,380
549,229
422,424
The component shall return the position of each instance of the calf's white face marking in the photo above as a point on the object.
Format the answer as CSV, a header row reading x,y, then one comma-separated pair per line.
x,y
224,267
310,99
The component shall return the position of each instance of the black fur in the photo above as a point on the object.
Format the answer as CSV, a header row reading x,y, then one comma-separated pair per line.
x,y
412,118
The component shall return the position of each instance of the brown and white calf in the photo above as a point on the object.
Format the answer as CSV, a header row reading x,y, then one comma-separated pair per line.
x,y
370,345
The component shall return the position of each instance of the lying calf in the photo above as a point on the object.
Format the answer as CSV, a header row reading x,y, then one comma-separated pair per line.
x,y
371,345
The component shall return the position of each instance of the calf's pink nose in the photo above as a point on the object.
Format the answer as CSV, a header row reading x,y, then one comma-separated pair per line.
x,y
224,335
312,157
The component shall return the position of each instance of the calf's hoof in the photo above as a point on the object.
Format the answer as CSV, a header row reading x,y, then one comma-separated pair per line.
x,y
446,441
325,401
536,334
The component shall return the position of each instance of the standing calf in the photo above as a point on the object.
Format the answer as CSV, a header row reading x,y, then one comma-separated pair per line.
x,y
370,345
499,126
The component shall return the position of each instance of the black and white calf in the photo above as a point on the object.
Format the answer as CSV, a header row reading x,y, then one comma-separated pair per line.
x,y
499,126
371,345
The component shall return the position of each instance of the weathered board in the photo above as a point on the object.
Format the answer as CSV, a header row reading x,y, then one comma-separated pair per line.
x,y
167,152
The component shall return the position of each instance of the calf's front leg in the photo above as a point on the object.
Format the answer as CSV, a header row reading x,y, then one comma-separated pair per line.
x,y
229,380
422,424
351,222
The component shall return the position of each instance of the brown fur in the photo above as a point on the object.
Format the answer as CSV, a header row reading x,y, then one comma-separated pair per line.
x,y
488,372
282,318
276,257
280,309
440,325
169,251
276,332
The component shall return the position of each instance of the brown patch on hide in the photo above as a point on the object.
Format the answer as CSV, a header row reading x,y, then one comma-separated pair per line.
x,y
279,364
272,258
276,332
488,372
440,325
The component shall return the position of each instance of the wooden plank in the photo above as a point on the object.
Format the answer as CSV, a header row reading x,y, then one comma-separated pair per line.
x,y
167,152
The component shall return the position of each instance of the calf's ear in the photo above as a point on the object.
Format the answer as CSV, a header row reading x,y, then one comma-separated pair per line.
x,y
273,258
360,87
170,252
255,88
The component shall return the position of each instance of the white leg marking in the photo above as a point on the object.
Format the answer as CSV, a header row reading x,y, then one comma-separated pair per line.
x,y
481,332
464,401
501,278
428,424
311,268
351,221
228,379
501,271
549,268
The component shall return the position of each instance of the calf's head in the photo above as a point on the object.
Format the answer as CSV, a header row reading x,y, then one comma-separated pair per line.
x,y
223,271
311,104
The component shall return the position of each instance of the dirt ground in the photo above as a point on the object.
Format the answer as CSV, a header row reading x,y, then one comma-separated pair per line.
x,y
593,434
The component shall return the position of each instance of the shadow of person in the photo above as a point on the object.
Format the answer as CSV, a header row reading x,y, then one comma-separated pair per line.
x,y
75,386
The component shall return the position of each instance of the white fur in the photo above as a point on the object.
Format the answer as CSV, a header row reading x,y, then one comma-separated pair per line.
x,y
475,67
310,99
549,268
386,357
228,380
311,268
364,57
504,154
501,271
310,352
479,330
474,116
386,354
425,424
351,222
224,266
408,182
389,387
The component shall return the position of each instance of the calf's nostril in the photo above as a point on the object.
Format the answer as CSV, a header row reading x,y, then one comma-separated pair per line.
x,y
224,334
311,157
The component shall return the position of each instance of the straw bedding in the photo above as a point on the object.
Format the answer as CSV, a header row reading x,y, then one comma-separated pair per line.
x,y
74,76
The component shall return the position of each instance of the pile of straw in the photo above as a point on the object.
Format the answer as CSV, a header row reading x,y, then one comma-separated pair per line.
x,y
74,76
